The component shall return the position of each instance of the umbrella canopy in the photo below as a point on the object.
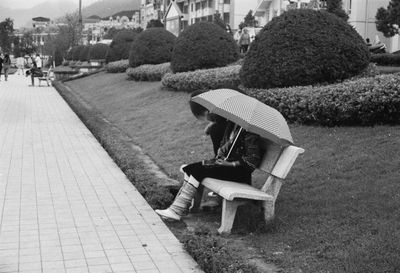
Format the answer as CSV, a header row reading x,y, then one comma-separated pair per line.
x,y
249,113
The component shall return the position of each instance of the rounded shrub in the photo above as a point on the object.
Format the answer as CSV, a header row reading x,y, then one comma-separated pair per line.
x,y
84,53
303,47
76,52
203,45
152,46
98,51
120,46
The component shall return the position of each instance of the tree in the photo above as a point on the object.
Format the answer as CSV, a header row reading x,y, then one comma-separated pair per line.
x,y
217,19
154,23
336,7
388,20
24,45
6,33
249,21
70,29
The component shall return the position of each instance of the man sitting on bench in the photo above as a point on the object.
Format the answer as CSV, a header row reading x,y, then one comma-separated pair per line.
x,y
36,69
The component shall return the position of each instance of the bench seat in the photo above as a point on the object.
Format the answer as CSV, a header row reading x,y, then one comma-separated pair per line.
x,y
230,190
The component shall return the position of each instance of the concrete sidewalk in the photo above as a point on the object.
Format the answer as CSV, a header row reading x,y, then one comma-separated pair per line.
x,y
65,206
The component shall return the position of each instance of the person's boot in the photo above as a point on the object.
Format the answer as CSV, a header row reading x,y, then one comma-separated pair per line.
x,y
182,202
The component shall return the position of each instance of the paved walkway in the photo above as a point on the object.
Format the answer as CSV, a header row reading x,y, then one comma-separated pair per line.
x,y
65,206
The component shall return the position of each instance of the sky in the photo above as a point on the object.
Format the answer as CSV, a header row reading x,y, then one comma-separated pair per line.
x,y
21,4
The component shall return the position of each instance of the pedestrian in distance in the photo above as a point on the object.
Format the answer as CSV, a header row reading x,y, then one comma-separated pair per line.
x,y
1,64
20,65
244,41
6,66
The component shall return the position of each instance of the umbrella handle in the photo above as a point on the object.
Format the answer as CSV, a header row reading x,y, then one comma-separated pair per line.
x,y
233,144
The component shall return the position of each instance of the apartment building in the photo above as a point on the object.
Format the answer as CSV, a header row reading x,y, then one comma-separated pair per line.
x,y
181,13
151,10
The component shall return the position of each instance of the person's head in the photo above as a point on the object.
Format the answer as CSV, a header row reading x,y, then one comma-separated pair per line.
x,y
6,56
367,40
245,30
199,111
37,55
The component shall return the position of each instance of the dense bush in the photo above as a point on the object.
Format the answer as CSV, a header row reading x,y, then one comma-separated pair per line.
x,y
76,52
386,59
70,53
152,46
206,79
98,51
303,47
149,72
120,46
117,66
365,101
84,53
203,45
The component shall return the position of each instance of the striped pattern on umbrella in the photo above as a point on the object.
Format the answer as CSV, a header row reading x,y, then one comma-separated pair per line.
x,y
251,114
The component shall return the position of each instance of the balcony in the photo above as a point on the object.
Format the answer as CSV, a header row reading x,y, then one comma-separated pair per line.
x,y
262,6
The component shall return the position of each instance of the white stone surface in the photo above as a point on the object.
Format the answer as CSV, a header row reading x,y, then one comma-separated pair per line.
x,y
65,206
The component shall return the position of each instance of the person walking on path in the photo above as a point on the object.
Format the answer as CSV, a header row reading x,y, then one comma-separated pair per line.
x,y
6,65
244,150
1,64
20,65
244,41
38,61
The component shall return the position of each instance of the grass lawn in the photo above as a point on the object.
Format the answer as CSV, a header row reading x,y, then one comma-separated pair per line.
x,y
339,209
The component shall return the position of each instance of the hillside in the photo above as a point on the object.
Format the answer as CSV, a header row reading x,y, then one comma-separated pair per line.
x,y
104,8
54,10
22,17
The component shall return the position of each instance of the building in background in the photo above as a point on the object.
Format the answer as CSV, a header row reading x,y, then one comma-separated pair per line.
x,y
152,10
361,15
39,22
181,13
94,27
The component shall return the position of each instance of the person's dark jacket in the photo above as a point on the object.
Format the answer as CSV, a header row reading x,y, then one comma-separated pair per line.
x,y
247,149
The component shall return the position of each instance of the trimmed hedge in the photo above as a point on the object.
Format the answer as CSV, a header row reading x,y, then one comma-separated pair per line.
x,y
76,51
98,51
386,59
84,53
117,66
206,79
201,46
304,47
152,46
149,72
365,101
120,46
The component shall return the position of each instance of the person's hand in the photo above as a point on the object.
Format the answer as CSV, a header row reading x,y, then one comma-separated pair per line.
x,y
222,162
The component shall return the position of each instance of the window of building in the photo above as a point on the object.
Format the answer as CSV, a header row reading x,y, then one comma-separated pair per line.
x,y
209,18
226,17
203,5
191,7
210,3
197,20
198,6
227,1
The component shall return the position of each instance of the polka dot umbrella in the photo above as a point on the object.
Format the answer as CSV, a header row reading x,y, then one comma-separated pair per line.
x,y
249,113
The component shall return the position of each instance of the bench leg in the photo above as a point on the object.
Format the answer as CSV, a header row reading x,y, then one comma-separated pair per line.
x,y
269,211
228,215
